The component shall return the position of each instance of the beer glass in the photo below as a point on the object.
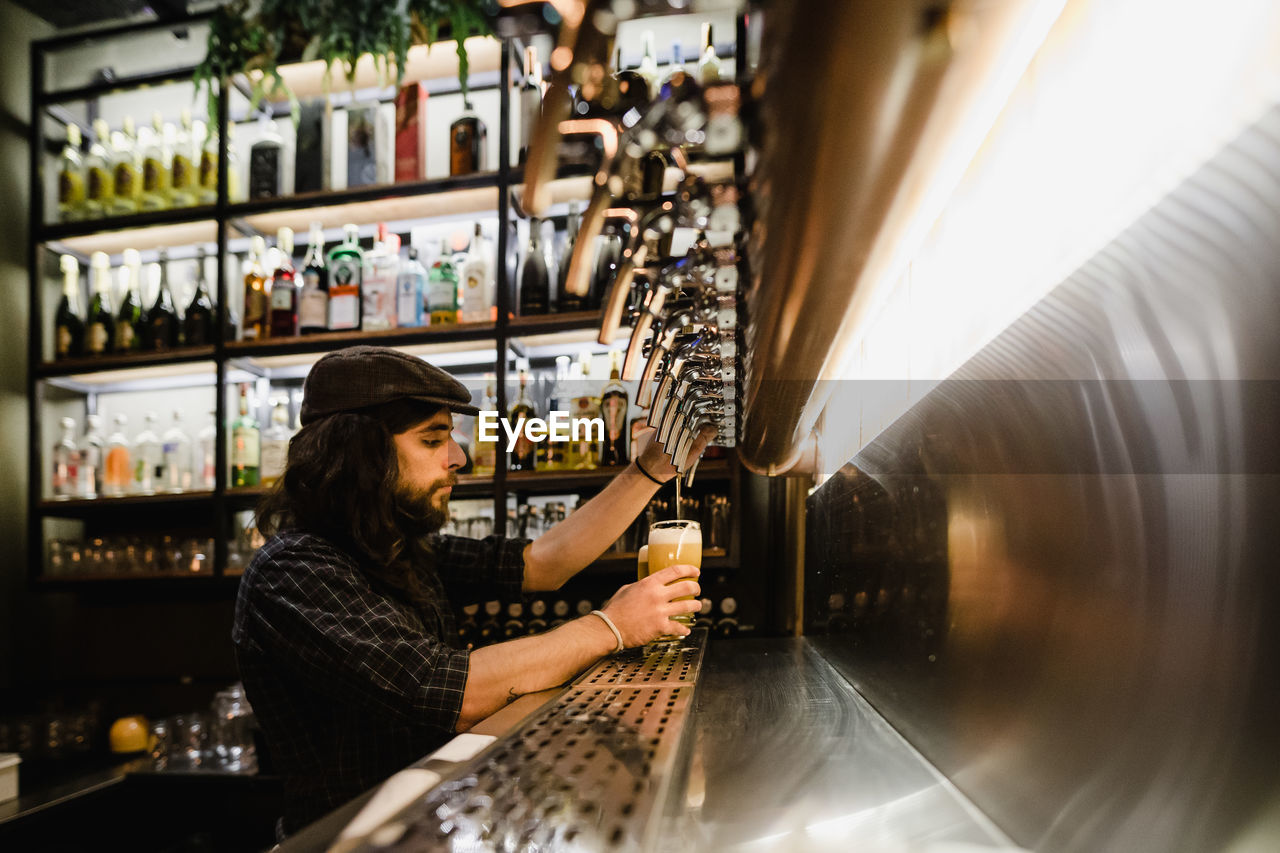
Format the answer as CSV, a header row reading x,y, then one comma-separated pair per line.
x,y
676,542
642,563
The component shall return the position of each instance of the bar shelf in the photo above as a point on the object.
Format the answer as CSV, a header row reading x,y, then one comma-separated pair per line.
x,y
183,226
82,507
90,370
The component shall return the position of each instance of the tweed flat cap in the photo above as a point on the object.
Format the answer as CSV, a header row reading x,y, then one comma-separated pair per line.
x,y
358,377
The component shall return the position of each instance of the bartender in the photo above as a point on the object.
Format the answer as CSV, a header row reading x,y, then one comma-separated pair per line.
x,y
344,630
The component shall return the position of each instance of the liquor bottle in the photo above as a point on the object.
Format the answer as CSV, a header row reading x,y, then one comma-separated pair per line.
x,y
207,179
197,321
632,89
524,455
99,183
313,301
442,289
708,63
117,470
568,301
586,410
530,99
99,332
649,64
346,267
486,451
90,472
477,282
66,459
126,170
246,445
146,457
175,458
185,165
129,326
613,410
535,284
411,291
71,179
204,455
266,163
275,444
161,322
561,455
467,138
254,325
155,167
68,323
608,253
284,288
381,266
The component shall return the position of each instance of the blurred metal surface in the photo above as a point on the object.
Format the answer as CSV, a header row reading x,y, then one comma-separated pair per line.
x,y
787,757
1056,575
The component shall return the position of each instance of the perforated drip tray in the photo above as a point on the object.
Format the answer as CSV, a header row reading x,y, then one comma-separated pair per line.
x,y
585,773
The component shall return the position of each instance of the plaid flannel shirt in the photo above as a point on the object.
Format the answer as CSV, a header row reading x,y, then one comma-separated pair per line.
x,y
350,682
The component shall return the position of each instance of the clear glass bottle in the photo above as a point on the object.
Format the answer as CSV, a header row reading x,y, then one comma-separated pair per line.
x,y
204,455
156,167
99,182
442,289
161,322
126,170
197,320
313,299
467,142
146,457
175,458
284,288
246,445
118,467
614,406
99,334
71,179
93,456
477,282
566,301
185,164
68,323
254,324
66,460
411,287
535,284
128,325
275,444
709,70
378,284
346,273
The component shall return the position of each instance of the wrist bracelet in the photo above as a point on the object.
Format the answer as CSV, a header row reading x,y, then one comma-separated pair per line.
x,y
647,474
617,635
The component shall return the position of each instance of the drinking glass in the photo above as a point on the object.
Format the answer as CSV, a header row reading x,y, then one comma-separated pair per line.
x,y
671,543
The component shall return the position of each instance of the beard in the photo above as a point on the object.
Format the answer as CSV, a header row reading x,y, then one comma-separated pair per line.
x,y
420,510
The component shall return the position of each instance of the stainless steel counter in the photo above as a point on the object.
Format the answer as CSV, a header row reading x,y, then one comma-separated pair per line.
x,y
785,755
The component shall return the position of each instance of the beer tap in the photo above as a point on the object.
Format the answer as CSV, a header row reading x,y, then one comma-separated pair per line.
x,y
696,386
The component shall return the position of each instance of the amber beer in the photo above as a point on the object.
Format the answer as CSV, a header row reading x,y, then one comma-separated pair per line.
x,y
676,542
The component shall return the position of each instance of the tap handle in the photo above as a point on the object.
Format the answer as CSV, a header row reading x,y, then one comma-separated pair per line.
x,y
617,302
631,364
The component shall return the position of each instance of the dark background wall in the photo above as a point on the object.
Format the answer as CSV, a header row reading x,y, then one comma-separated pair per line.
x,y
1056,574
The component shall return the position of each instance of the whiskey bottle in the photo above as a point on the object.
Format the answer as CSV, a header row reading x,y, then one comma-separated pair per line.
x,y
129,318
613,410
346,270
523,456
254,325
284,288
442,288
99,324
467,138
246,445
68,324
535,284
197,321
313,299
568,301
99,182
71,179
161,322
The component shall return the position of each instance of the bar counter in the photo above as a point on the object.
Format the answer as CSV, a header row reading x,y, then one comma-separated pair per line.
x,y
769,748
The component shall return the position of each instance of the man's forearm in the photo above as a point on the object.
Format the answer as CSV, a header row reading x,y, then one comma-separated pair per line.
x,y
574,543
500,673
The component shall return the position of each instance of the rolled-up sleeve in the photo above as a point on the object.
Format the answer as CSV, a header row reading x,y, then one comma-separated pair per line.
x,y
321,620
472,569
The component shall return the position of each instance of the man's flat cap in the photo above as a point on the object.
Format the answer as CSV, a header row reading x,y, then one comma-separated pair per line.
x,y
359,377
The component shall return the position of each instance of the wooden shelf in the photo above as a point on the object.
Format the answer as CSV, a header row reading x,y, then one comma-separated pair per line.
x,y
86,369
82,507
185,226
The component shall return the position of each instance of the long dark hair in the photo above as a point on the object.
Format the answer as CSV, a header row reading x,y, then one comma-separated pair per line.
x,y
340,484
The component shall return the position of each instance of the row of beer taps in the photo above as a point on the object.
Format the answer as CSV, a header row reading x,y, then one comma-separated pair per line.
x,y
682,310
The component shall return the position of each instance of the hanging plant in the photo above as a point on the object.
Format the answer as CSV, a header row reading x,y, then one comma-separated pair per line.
x,y
260,35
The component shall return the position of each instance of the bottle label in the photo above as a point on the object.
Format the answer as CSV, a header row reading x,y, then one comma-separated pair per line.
x,y
379,303
99,184
255,310
63,345
209,170
96,337
344,308
125,177
464,149
70,187
245,449
443,317
183,174
313,310
153,173
125,337
274,455
282,297
409,301
264,172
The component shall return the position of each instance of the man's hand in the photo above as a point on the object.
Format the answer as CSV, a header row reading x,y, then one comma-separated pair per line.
x,y
642,611
657,461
